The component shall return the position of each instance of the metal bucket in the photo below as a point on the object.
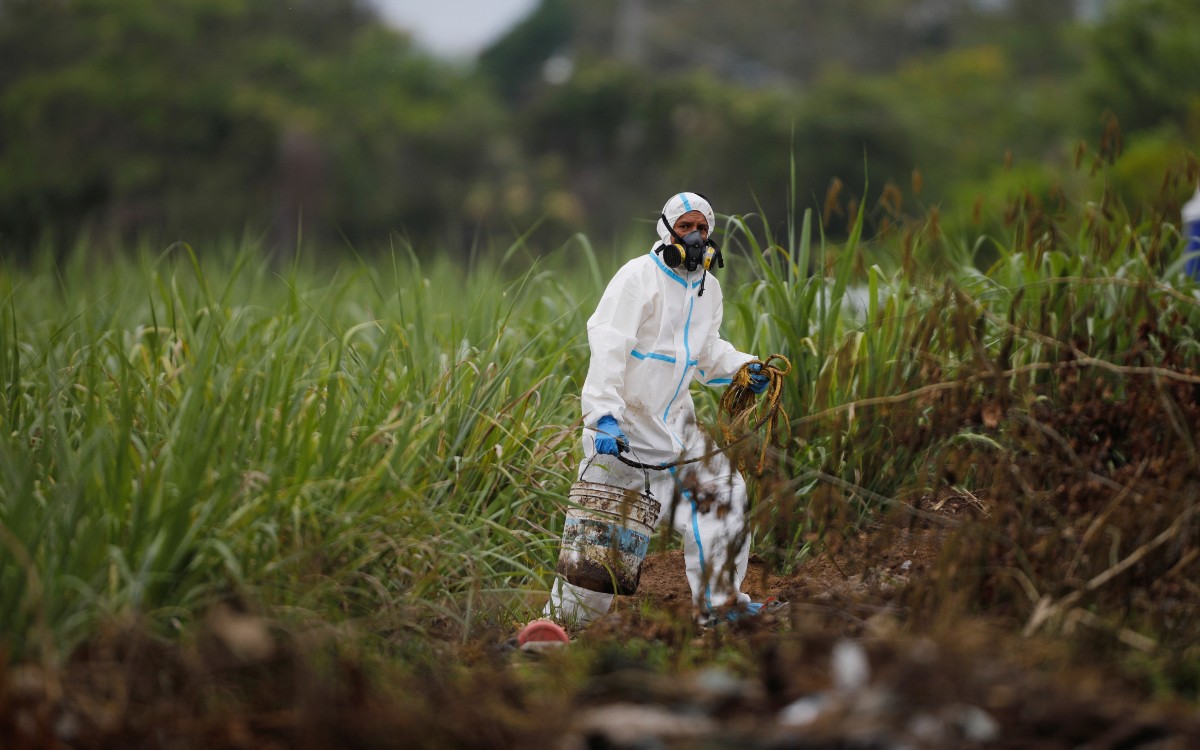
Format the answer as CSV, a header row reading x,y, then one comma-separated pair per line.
x,y
605,537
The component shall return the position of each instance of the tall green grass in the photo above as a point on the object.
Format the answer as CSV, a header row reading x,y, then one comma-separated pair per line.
x,y
389,442
384,441
885,384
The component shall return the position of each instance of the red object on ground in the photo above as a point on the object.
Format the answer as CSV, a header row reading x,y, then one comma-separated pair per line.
x,y
542,631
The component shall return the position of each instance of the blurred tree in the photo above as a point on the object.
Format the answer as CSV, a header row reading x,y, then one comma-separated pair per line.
x,y
727,94
769,42
622,141
194,118
1145,65
517,60
1029,31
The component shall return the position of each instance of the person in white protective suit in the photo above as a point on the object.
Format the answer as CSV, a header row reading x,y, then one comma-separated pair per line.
x,y
655,330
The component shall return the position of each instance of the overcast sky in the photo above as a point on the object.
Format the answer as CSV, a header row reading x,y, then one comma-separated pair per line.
x,y
454,28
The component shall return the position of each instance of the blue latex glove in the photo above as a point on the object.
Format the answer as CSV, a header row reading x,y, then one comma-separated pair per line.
x,y
609,438
758,381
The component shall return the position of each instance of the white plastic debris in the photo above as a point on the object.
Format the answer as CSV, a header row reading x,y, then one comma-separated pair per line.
x,y
803,712
849,665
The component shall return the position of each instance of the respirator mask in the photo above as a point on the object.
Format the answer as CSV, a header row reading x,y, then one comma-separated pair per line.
x,y
690,251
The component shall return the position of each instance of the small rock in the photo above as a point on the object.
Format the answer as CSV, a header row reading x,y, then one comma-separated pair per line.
x,y
804,711
976,724
245,636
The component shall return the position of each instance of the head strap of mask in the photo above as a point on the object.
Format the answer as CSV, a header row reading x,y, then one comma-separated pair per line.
x,y
691,253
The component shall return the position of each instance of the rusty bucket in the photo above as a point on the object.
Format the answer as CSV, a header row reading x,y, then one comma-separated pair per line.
x,y
606,536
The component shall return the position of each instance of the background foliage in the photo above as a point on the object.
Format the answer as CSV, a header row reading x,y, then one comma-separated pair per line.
x,y
191,120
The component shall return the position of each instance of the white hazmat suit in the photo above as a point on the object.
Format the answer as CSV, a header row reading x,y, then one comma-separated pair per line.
x,y
651,335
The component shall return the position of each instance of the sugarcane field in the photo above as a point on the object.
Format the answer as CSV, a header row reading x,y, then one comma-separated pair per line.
x,y
544,374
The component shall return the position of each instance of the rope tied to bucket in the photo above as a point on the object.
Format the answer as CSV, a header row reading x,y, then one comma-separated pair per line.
x,y
738,407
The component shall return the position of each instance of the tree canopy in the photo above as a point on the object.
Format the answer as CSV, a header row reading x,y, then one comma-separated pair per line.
x,y
193,119
196,117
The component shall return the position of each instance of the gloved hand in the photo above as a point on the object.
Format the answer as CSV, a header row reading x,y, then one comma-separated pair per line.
x,y
758,381
609,438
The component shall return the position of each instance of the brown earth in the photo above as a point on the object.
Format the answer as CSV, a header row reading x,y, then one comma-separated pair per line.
x,y
823,579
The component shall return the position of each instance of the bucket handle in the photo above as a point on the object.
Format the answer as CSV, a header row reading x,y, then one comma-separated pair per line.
x,y
644,467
